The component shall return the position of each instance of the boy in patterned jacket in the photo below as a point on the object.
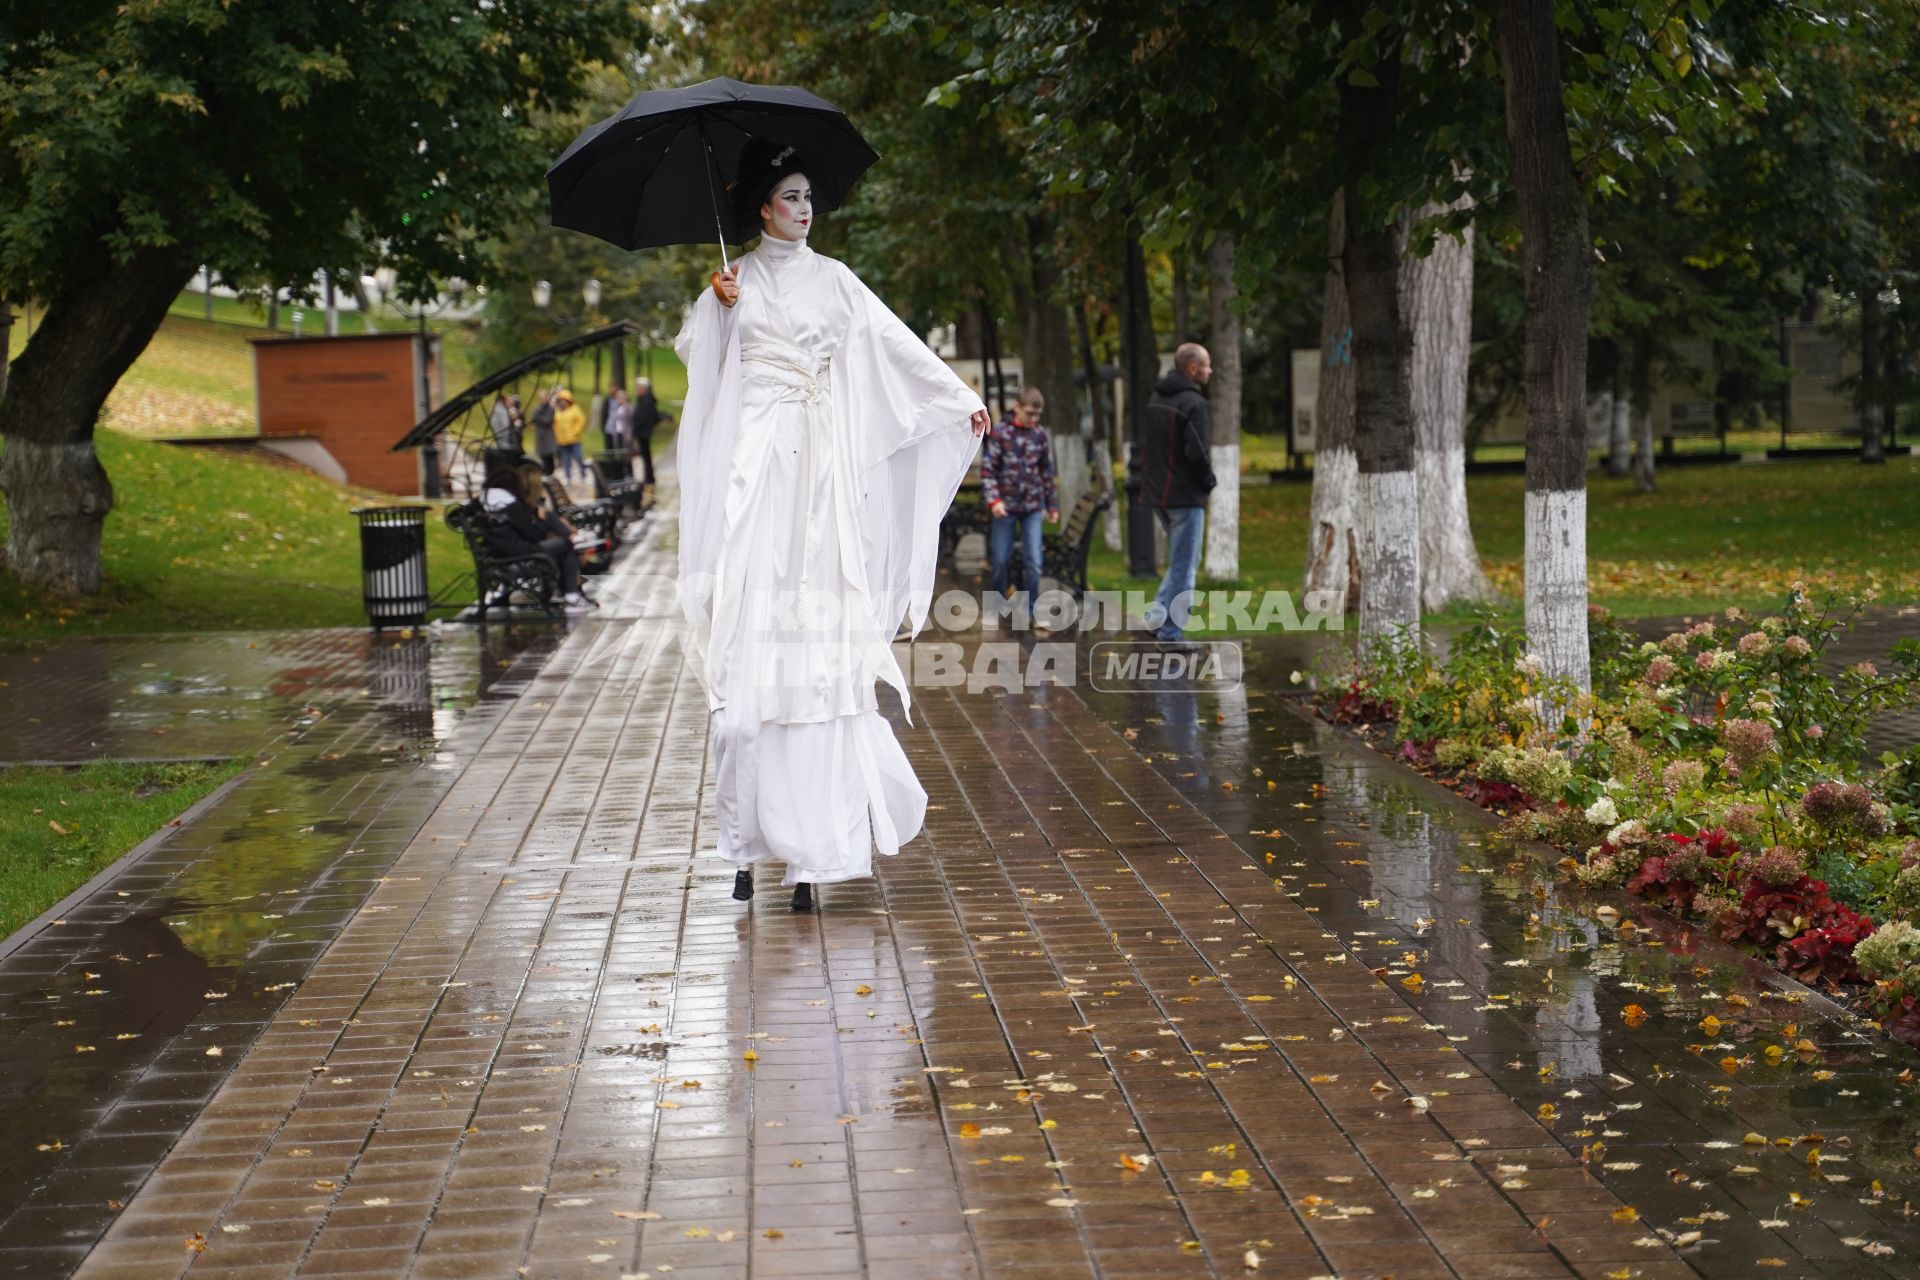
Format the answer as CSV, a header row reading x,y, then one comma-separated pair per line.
x,y
1016,476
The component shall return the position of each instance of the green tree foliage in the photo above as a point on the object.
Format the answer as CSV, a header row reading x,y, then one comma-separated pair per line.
x,y
269,139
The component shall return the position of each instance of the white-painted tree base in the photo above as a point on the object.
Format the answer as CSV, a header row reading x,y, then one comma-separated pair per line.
x,y
1556,572
1333,538
1222,559
1449,562
1389,558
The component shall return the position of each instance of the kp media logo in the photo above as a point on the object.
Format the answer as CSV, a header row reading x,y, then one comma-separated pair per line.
x,y
1127,666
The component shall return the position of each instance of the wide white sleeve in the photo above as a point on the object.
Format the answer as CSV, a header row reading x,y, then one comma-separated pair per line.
x,y
708,344
908,421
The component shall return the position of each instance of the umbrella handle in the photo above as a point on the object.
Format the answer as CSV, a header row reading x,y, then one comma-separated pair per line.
x,y
714,198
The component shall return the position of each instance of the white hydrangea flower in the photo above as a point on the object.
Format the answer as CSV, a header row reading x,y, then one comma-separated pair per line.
x,y
1602,812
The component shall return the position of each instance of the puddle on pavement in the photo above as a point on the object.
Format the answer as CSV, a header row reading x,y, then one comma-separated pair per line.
x,y
118,1025
1709,1092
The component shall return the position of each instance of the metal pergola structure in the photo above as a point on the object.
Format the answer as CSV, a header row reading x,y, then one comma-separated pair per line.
x,y
465,417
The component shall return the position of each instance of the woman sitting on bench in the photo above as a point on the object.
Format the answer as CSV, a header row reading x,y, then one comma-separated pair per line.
x,y
523,531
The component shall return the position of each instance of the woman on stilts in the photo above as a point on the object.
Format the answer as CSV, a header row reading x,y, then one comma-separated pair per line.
x,y
820,443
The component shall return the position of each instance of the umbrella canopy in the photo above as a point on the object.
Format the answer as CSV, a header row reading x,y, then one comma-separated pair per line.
x,y
656,173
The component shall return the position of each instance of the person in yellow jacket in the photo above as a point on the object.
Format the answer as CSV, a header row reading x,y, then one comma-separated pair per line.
x,y
569,430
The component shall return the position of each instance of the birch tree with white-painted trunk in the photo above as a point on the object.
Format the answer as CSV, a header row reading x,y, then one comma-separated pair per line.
x,y
1333,550
1437,292
1222,560
1389,496
1558,266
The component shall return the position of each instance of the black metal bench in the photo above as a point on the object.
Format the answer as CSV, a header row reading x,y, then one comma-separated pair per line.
x,y
600,517
497,574
966,514
1063,555
625,493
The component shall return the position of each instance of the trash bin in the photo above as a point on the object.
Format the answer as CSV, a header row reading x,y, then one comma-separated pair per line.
x,y
393,564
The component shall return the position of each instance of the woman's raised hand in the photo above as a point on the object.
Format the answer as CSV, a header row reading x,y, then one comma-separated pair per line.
x,y
981,420
726,285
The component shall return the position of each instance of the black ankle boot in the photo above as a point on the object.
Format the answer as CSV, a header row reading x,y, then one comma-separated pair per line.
x,y
743,884
803,896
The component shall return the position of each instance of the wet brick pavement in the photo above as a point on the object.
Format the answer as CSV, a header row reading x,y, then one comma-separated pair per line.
x,y
1136,1004
120,1018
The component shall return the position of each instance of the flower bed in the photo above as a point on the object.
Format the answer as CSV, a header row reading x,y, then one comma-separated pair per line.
x,y
1719,772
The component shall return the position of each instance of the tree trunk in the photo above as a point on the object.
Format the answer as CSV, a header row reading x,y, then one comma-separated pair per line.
x,y
1437,291
360,299
1047,351
1182,303
1890,371
1643,463
1382,354
1141,361
57,492
1222,558
1871,450
1558,267
1620,409
331,300
6,343
1333,550
1102,430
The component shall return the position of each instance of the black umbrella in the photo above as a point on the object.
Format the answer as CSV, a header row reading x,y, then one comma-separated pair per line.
x,y
656,173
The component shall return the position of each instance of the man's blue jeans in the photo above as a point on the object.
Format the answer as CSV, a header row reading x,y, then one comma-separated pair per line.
x,y
1184,526
1000,535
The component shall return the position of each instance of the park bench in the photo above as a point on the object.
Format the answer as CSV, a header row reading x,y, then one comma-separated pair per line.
x,y
628,495
967,513
498,574
600,517
1064,554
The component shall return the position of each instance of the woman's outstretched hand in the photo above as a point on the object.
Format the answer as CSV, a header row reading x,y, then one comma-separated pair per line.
x,y
981,420
726,285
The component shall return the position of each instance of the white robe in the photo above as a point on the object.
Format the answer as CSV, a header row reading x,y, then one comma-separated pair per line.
x,y
820,442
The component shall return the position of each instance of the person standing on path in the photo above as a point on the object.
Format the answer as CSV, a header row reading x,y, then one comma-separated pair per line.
x,y
820,441
618,428
646,416
569,429
1016,479
543,446
1176,475
506,422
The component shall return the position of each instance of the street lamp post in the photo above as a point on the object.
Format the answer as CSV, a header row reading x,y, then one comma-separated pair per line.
x,y
455,287
590,294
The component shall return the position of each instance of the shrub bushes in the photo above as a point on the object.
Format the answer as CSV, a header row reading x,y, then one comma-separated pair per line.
x,y
1719,772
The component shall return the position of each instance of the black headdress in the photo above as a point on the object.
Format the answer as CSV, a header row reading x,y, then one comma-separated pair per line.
x,y
762,165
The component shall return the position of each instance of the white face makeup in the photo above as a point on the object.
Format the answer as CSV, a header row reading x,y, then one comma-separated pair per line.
x,y
788,212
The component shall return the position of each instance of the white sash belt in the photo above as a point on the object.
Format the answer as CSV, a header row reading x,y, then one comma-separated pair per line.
x,y
800,382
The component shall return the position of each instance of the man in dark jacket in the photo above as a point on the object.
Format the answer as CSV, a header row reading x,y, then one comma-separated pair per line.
x,y
645,416
1176,472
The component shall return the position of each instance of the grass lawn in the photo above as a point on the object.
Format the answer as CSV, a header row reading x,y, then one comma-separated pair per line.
x,y
1269,453
199,541
1708,538
60,825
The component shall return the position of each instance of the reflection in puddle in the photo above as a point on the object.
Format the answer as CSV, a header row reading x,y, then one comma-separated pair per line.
x,y
118,1024
1728,1100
